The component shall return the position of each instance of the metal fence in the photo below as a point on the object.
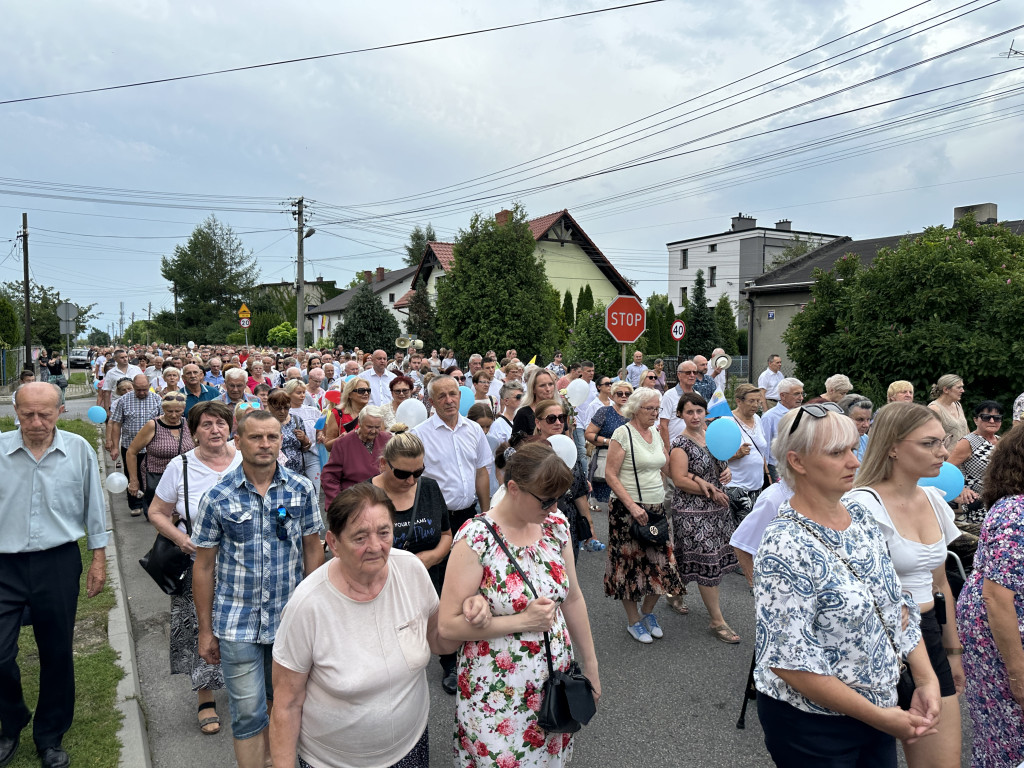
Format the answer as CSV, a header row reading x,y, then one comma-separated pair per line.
x,y
11,363
740,367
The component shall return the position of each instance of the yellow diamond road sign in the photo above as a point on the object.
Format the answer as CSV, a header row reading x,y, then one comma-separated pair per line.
x,y
244,312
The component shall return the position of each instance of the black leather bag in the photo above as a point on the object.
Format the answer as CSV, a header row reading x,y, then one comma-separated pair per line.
x,y
654,533
568,701
905,687
165,562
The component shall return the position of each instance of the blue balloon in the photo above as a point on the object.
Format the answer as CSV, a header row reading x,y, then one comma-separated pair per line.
x,y
950,481
723,438
97,414
466,398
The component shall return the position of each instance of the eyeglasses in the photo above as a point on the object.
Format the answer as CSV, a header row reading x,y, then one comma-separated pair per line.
x,y
181,398
401,391
255,405
687,373
405,474
652,378
459,378
650,408
991,417
933,444
605,384
622,393
545,504
517,397
361,391
282,532
815,410
555,417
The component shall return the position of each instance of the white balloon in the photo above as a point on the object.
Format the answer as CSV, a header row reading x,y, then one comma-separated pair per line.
x,y
577,392
116,482
565,448
191,345
411,413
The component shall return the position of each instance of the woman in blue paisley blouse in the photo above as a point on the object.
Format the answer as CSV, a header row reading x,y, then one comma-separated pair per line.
x,y
830,628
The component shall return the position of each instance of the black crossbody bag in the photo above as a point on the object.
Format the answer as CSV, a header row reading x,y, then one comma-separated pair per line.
x,y
655,532
165,562
568,702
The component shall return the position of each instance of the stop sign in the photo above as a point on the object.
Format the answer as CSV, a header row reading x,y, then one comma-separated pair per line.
x,y
625,319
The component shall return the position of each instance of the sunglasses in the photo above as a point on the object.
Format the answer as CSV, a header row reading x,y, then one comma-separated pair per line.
x,y
405,474
459,378
621,394
361,391
554,418
815,410
401,391
255,405
181,398
282,532
605,384
652,378
545,504
517,397
991,417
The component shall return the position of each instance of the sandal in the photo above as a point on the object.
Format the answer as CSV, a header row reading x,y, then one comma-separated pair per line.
x,y
724,633
209,725
678,604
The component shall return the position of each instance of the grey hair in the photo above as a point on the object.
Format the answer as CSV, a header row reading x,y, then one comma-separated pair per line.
x,y
476,356
854,401
370,412
509,387
231,373
293,368
433,384
178,371
831,433
637,400
838,382
789,383
514,366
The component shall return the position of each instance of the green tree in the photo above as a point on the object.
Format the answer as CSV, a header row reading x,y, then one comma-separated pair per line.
x,y
701,331
658,326
212,274
367,323
98,338
496,294
136,333
947,300
9,326
43,301
568,313
726,322
590,340
418,244
796,247
588,299
283,335
422,322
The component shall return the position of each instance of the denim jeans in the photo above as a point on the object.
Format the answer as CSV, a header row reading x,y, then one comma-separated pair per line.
x,y
581,448
247,668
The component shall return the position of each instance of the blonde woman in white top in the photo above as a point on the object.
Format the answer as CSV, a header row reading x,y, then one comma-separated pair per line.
x,y
636,573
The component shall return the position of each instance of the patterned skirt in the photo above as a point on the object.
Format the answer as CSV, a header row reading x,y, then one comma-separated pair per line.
x,y
634,571
185,658
701,542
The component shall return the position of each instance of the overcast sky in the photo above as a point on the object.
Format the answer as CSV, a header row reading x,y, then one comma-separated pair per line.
x,y
370,138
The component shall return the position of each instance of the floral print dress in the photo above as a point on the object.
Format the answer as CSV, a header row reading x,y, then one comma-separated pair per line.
x,y
500,680
998,721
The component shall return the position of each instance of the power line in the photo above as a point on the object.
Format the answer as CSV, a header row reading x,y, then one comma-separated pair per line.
x,y
421,41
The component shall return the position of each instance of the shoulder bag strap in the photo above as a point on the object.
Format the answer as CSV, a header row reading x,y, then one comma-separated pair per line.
x,y
526,581
752,443
184,475
632,450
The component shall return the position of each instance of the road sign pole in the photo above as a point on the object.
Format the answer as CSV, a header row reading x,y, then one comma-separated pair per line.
x,y
246,338
623,356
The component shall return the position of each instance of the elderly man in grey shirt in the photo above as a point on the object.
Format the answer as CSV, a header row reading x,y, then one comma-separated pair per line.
x,y
51,497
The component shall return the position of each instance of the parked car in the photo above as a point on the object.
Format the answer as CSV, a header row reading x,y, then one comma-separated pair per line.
x,y
79,358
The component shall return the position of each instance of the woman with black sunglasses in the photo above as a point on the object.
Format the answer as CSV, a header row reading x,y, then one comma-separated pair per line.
x,y
972,453
421,518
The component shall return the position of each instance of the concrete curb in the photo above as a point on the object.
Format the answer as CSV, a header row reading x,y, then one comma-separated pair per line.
x,y
133,734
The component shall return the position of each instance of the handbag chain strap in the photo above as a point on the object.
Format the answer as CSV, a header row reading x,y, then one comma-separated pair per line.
x,y
874,604
526,581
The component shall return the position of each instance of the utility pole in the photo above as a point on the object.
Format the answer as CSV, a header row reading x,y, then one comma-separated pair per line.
x,y
149,320
121,325
28,310
177,335
300,284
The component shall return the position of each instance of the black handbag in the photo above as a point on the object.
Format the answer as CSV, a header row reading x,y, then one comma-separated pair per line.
x,y
165,561
568,701
655,532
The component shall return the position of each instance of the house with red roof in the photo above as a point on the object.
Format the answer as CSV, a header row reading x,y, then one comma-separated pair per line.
x,y
571,260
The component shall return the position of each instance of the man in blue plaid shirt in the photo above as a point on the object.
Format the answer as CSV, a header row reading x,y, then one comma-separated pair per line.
x,y
257,531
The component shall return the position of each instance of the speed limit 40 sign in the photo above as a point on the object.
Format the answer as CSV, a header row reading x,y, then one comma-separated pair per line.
x,y
678,330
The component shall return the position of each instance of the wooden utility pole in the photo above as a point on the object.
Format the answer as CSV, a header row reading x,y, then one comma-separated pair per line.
x,y
28,309
300,285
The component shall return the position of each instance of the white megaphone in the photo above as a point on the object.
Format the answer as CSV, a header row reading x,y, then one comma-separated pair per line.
x,y
722,362
403,342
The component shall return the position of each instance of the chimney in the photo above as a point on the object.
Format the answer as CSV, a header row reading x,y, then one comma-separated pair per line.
x,y
501,217
785,225
380,274
984,213
741,222
367,276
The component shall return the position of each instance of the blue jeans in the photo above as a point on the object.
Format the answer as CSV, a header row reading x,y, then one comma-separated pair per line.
x,y
581,448
247,670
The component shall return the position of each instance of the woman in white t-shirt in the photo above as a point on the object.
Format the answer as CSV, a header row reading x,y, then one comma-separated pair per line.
x,y
907,443
330,706
749,466
212,458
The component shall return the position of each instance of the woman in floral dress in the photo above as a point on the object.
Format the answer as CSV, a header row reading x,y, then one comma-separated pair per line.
x,y
503,663
990,614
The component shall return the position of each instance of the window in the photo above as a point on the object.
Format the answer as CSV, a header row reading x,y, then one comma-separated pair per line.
x,y
713,248
684,258
712,275
391,298
682,297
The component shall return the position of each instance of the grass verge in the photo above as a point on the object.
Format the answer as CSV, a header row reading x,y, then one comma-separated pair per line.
x,y
77,377
92,740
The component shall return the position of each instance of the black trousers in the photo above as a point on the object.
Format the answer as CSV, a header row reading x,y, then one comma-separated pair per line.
x,y
47,582
134,502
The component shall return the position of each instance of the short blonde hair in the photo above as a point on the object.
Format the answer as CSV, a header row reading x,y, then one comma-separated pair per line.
x,y
832,432
292,384
898,386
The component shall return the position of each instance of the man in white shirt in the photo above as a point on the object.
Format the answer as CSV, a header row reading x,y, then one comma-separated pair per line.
x,y
791,395
490,368
636,369
123,370
396,366
719,375
770,378
670,425
379,378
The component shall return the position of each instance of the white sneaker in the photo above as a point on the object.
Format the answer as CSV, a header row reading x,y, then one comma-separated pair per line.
x,y
650,621
639,632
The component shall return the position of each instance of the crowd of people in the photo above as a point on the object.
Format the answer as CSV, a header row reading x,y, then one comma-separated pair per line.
x,y
317,517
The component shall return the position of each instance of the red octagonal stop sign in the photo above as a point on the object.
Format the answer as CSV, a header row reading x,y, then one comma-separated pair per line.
x,y
625,319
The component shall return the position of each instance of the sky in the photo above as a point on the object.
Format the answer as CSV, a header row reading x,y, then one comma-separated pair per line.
x,y
651,124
